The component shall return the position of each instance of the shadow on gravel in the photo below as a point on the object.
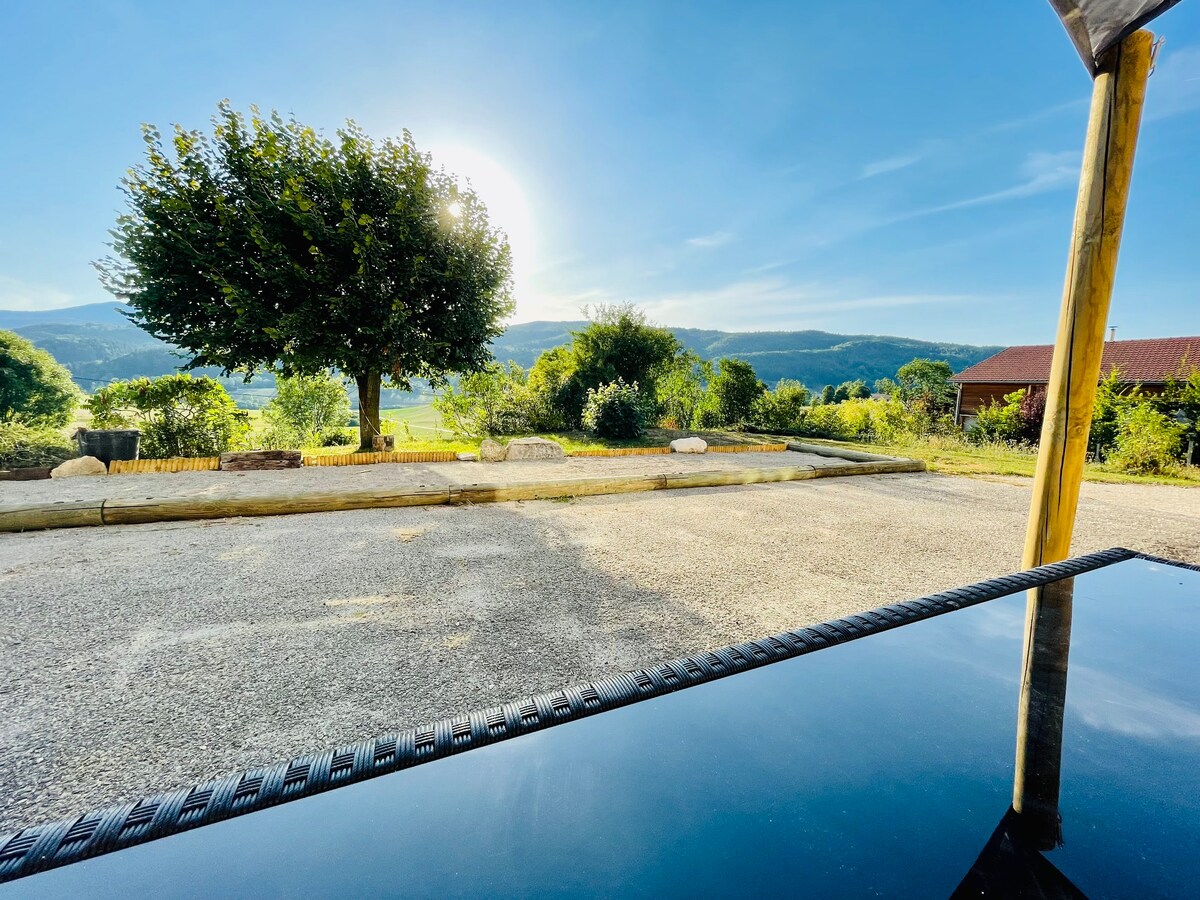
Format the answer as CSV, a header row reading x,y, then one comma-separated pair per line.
x,y
142,658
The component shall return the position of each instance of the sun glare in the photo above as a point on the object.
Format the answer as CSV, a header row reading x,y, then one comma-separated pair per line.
x,y
501,193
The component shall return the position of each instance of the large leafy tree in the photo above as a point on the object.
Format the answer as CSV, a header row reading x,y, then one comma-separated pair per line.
x,y
268,245
35,389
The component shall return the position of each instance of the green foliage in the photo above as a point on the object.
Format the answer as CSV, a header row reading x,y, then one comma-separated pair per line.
x,y
926,382
864,419
554,387
1180,400
783,409
679,389
178,415
304,409
828,394
615,411
998,422
1148,443
618,343
269,245
851,390
736,389
25,446
495,401
34,389
708,414
886,386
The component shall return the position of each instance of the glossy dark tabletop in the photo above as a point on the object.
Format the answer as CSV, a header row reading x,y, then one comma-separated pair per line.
x,y
879,767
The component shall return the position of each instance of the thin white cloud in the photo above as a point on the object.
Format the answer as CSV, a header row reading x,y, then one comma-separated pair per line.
x,y
890,164
777,303
716,239
26,295
1041,172
1175,87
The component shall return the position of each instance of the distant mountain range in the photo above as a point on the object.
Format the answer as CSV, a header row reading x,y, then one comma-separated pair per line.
x,y
98,345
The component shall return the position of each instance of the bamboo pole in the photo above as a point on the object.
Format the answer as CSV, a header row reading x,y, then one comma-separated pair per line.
x,y
1117,98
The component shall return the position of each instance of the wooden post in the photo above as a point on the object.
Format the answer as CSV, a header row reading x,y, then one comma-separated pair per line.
x,y
1040,725
1117,98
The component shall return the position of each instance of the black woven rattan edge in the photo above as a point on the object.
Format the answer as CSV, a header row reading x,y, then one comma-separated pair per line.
x,y
1162,560
42,847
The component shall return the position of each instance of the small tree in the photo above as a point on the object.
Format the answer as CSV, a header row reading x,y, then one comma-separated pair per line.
x,y
851,390
926,382
618,343
828,394
271,246
306,408
680,387
782,409
735,387
35,389
178,415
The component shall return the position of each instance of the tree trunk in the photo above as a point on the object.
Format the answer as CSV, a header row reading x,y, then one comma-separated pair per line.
x,y
368,408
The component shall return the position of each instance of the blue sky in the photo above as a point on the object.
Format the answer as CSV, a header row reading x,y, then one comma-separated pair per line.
x,y
863,166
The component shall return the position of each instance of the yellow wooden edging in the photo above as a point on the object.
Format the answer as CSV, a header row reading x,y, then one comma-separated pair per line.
x,y
367,459
623,451
174,464
746,448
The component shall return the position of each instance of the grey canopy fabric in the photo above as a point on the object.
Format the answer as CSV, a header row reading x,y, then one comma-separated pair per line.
x,y
1095,25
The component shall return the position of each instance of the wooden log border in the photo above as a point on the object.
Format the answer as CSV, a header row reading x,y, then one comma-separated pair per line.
x,y
746,448
174,464
381,456
69,514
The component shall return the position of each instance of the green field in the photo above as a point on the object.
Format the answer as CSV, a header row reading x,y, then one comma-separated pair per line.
x,y
424,421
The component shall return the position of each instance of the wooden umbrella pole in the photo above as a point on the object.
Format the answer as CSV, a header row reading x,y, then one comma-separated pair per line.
x,y
1117,98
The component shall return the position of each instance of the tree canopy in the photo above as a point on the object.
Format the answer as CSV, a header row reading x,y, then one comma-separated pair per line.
x,y
35,389
268,245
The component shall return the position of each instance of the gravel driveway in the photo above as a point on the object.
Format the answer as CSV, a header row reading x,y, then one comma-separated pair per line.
x,y
142,658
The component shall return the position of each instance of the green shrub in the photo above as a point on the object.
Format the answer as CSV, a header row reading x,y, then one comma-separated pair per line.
x,y
708,415
338,437
178,415
34,388
495,401
1147,443
679,389
303,409
25,446
615,411
998,421
782,409
736,388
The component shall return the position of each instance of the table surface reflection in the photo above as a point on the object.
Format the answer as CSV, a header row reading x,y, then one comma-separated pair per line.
x,y
880,767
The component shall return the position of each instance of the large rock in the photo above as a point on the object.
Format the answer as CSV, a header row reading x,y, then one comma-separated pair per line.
x,y
491,451
689,445
533,448
83,465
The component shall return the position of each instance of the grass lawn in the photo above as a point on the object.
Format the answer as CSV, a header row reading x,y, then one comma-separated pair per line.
x,y
955,458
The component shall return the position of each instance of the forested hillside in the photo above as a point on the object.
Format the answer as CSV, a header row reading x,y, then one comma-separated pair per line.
x,y
98,345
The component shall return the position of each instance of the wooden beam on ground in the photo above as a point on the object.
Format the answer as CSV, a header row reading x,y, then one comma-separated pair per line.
x,y
135,512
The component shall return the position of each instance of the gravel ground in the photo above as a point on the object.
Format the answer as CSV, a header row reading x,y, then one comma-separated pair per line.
x,y
143,658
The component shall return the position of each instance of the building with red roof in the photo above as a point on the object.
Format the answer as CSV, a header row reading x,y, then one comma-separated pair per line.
x,y
1148,363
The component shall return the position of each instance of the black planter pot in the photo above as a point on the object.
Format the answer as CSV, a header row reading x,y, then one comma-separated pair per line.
x,y
107,444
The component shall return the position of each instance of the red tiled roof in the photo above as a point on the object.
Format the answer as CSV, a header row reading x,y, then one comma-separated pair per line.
x,y
1142,362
